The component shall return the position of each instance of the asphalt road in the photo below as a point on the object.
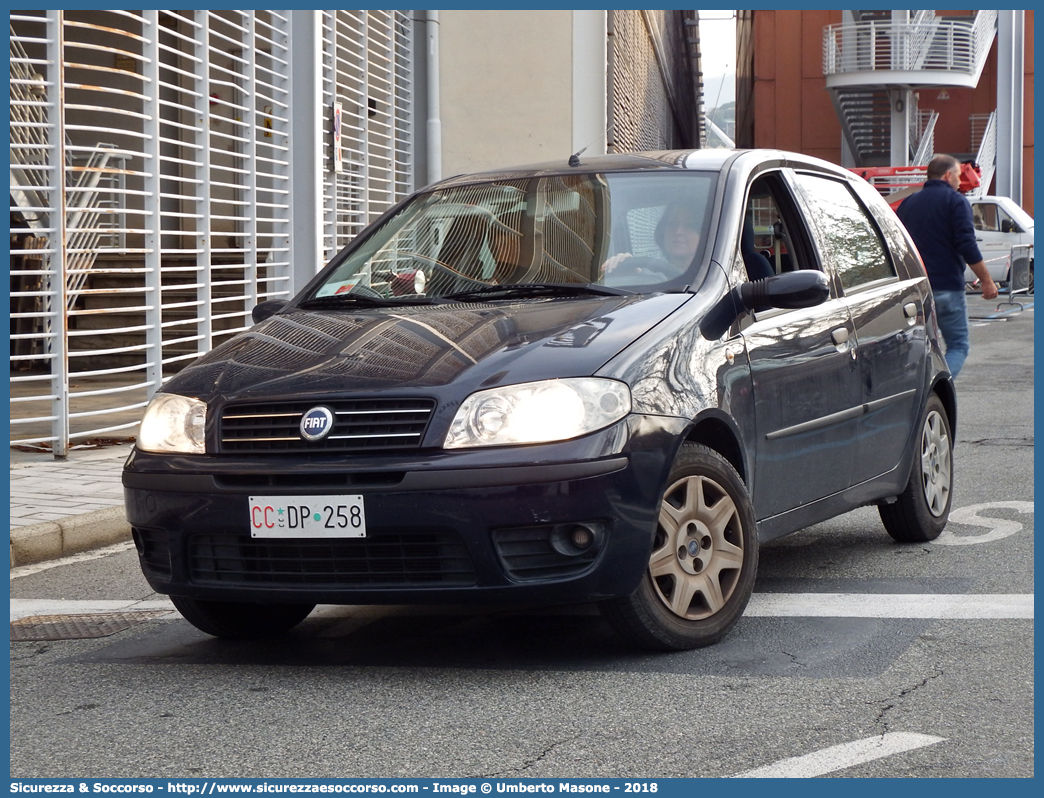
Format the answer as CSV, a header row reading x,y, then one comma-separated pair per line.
x,y
525,693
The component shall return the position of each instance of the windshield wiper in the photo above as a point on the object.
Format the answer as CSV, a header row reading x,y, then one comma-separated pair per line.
x,y
349,298
526,290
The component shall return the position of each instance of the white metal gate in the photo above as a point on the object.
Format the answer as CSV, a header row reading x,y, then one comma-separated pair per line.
x,y
367,69
150,192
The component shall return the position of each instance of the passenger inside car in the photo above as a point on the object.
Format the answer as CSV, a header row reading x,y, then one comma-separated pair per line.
x,y
757,264
504,248
480,248
768,242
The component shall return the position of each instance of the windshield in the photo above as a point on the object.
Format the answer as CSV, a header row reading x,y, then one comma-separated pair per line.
x,y
639,232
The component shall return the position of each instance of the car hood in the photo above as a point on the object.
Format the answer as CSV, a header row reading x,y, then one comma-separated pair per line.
x,y
314,352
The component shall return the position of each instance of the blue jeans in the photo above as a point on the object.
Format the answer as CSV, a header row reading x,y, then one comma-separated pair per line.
x,y
951,309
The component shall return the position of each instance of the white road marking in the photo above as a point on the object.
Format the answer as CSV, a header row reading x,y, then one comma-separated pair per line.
x,y
890,605
843,756
999,528
93,554
25,608
762,605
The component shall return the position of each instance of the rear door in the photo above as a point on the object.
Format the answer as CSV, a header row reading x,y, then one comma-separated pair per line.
x,y
887,312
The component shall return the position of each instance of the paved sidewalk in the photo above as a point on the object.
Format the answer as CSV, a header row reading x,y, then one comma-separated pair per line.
x,y
60,507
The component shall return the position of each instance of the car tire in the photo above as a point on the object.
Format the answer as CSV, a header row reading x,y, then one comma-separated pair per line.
x,y
703,561
920,512
241,620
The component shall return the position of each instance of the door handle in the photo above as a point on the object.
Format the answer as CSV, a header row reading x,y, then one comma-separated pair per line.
x,y
840,336
910,310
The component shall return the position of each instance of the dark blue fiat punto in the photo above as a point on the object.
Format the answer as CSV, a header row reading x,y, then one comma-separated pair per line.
x,y
599,381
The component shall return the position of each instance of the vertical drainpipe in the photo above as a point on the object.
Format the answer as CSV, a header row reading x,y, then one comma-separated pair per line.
x,y
1010,89
434,119
899,98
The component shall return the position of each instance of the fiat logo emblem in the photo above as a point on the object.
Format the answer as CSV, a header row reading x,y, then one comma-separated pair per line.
x,y
316,424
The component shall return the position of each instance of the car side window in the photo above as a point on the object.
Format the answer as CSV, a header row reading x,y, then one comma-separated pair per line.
x,y
985,217
846,235
772,240
989,218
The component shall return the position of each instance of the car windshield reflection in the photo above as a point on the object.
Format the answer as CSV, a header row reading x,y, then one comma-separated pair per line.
x,y
634,233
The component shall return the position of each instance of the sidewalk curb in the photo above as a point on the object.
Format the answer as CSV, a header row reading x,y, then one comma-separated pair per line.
x,y
53,539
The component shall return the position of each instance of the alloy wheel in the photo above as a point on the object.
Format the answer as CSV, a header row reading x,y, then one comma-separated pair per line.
x,y
698,551
936,471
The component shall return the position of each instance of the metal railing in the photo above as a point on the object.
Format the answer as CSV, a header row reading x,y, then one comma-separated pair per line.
x,y
977,130
150,183
922,135
85,209
1020,274
986,157
112,192
376,143
955,46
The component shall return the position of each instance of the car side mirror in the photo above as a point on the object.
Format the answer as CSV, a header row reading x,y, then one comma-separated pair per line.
x,y
801,289
266,309
1008,226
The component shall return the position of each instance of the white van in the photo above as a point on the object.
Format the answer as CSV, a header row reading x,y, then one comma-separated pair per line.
x,y
1000,224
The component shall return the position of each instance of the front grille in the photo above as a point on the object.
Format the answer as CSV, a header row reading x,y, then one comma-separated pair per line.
x,y
309,480
406,559
359,425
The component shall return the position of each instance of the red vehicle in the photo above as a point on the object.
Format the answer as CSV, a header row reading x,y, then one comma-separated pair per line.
x,y
896,183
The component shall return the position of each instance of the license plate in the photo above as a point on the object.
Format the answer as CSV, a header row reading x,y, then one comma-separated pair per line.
x,y
307,517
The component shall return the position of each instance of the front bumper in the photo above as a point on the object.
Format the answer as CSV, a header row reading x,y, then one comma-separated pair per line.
x,y
478,526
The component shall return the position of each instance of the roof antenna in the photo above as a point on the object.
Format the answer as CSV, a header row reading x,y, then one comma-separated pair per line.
x,y
574,160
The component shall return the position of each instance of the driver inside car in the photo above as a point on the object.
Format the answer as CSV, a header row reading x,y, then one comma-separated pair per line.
x,y
678,237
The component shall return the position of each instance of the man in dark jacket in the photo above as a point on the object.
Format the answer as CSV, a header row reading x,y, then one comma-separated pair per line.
x,y
939,219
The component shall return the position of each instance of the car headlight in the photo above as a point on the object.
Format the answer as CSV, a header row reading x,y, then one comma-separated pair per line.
x,y
538,412
173,423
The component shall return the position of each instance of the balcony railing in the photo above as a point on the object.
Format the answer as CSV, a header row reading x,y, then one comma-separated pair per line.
x,y
954,46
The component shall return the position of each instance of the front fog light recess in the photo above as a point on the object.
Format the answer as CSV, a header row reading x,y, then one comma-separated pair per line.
x,y
538,412
582,540
174,424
